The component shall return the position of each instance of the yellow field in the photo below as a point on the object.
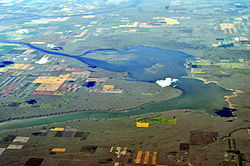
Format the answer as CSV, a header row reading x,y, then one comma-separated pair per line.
x,y
21,67
169,21
146,158
154,158
108,87
138,158
52,80
57,129
138,124
58,150
48,87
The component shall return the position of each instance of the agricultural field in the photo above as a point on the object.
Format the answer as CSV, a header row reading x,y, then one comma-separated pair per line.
x,y
124,82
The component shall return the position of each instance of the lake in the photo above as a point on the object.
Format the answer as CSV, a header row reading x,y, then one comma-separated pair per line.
x,y
146,64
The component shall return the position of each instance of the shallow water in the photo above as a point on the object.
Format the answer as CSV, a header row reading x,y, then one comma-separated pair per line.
x,y
165,63
196,95
147,64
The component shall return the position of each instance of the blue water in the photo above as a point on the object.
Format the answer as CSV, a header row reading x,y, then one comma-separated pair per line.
x,y
32,101
196,95
225,112
92,66
57,48
227,45
5,63
90,84
143,57
241,6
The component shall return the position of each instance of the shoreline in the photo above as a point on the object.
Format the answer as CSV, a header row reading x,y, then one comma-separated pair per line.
x,y
235,92
82,114
73,120
5,121
205,81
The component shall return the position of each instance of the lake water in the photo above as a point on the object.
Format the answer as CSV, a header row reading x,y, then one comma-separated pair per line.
x,y
90,84
196,95
32,101
147,64
5,63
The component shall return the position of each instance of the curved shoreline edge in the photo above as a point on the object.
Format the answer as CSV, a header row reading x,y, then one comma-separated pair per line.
x,y
9,120
235,92
88,114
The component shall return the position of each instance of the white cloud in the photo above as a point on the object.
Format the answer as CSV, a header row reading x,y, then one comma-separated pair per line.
x,y
166,82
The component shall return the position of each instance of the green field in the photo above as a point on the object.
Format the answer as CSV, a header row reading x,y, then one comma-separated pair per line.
x,y
157,120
